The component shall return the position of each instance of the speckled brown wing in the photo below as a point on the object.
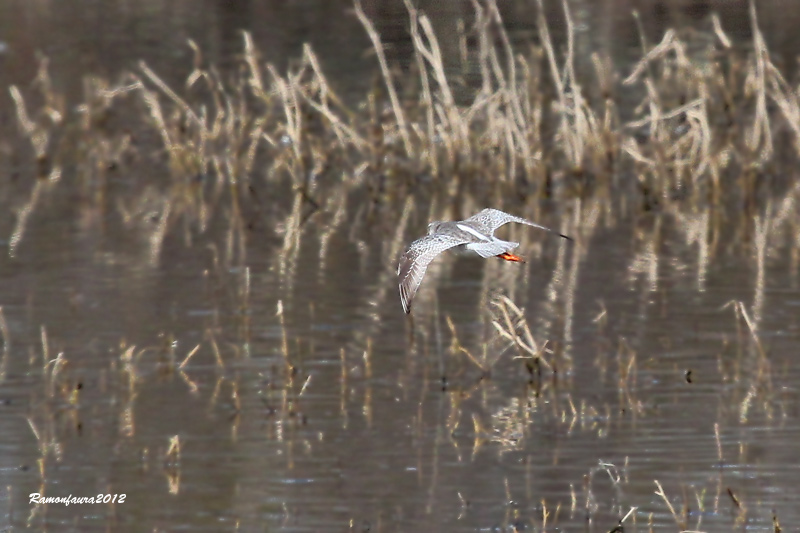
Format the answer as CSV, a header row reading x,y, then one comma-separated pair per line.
x,y
415,261
490,219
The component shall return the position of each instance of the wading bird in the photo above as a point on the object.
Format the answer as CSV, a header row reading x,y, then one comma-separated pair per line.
x,y
475,233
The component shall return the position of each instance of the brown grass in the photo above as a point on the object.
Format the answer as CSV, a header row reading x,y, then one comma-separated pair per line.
x,y
530,127
696,149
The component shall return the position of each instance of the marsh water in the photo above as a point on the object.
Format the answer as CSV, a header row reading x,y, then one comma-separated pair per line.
x,y
260,374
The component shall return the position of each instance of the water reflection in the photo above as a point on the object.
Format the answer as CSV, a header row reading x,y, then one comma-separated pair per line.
x,y
227,347
337,418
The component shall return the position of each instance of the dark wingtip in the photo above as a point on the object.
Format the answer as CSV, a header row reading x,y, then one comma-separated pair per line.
x,y
404,301
566,237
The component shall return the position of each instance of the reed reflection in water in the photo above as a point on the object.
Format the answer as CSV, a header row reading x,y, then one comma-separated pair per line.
x,y
200,303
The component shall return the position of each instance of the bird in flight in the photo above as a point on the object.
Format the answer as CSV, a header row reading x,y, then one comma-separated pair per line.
x,y
475,233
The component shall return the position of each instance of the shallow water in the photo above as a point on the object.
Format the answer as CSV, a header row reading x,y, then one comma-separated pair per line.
x,y
312,403
410,436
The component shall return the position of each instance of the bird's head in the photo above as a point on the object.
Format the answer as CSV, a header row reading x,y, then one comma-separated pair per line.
x,y
433,226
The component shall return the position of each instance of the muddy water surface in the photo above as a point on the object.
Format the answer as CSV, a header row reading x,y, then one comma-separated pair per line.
x,y
261,375
342,413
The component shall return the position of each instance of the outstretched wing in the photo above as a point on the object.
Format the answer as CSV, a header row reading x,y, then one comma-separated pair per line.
x,y
490,219
415,262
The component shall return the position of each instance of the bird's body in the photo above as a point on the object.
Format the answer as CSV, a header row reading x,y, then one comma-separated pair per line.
x,y
475,233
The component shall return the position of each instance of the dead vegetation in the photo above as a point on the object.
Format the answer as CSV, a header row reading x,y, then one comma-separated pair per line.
x,y
703,132
696,151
